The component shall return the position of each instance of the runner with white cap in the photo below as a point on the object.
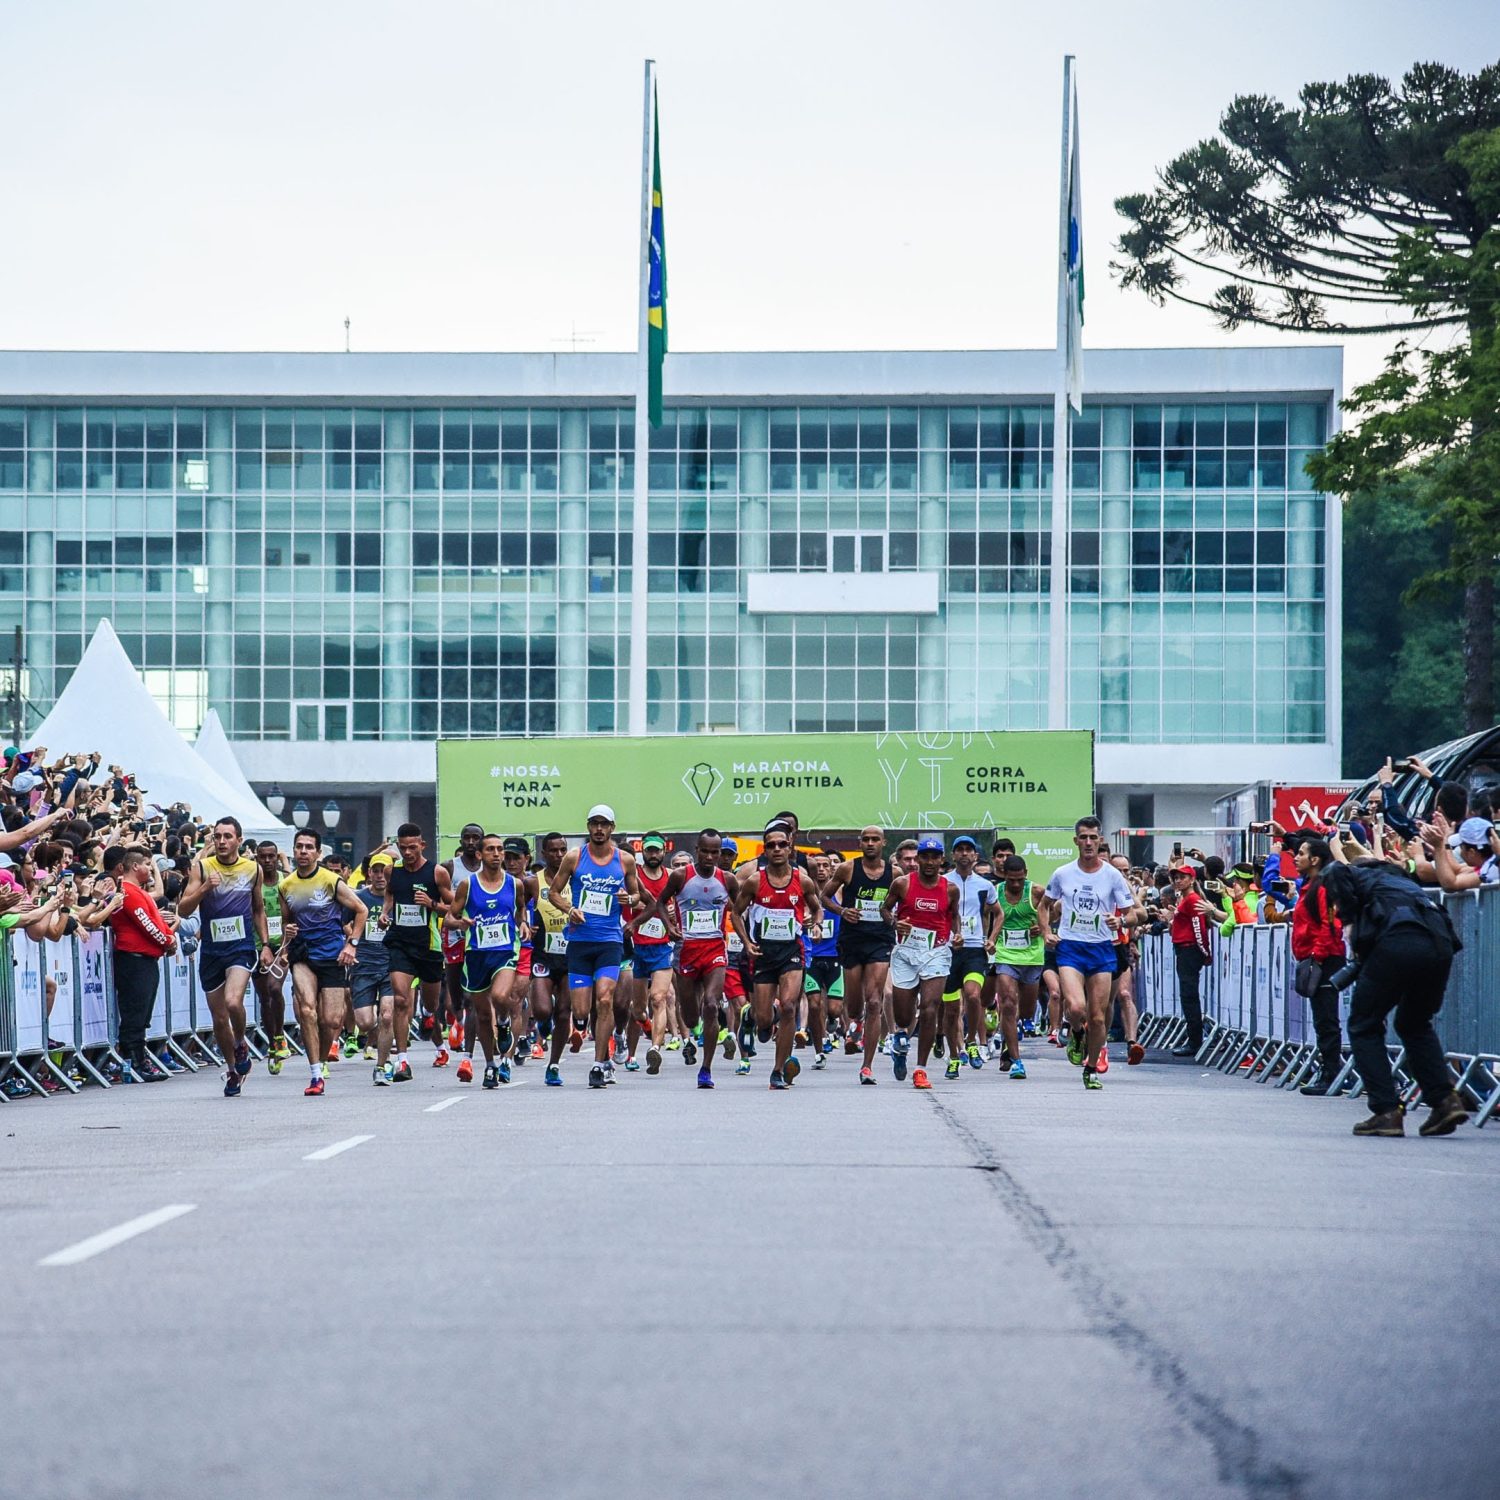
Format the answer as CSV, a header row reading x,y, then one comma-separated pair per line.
x,y
596,885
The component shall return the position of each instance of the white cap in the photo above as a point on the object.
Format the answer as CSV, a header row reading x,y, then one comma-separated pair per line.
x,y
601,810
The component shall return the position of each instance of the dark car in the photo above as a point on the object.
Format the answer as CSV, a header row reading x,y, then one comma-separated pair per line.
x,y
1473,760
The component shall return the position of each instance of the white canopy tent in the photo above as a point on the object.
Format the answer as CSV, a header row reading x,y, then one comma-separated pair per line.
x,y
107,707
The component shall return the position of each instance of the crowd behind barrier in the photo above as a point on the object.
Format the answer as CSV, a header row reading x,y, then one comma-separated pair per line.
x,y
1256,1025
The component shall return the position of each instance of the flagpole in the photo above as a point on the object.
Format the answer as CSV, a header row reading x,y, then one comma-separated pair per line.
x,y
639,534
1057,618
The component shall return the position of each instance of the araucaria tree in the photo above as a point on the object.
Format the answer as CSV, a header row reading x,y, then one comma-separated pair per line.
x,y
1367,209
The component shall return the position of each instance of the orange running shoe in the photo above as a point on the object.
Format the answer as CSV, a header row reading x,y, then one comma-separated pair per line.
x,y
441,1060
456,1036
575,1040
537,1050
333,1050
919,1079
466,1071
1136,1054
1102,1066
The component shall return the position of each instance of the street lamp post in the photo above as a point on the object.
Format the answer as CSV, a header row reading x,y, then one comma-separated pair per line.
x,y
300,813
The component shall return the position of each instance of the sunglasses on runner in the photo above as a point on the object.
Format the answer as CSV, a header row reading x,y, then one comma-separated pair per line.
x,y
778,844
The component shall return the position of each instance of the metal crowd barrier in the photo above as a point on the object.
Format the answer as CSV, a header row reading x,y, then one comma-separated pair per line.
x,y
58,1049
1256,1025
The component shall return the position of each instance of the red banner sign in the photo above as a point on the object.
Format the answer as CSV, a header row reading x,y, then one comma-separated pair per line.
x,y
1307,806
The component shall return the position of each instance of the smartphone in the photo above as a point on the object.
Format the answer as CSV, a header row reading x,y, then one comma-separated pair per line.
x,y
1177,850
1216,886
1401,765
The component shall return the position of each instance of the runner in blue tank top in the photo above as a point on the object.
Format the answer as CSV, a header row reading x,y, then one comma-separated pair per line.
x,y
487,908
596,885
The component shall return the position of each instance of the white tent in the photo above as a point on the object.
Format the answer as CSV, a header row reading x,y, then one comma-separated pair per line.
x,y
213,747
107,707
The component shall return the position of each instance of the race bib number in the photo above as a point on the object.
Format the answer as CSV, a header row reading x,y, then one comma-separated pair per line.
x,y
409,914
702,924
273,928
655,928
778,926
598,903
226,930
921,937
869,909
971,929
732,943
492,934
557,942
1015,939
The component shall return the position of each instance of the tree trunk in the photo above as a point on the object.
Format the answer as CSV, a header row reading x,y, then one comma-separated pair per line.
x,y
1479,650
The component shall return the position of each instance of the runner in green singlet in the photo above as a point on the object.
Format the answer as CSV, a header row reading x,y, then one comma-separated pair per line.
x,y
270,984
1020,951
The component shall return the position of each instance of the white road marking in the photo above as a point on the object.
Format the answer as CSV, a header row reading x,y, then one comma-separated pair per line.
x,y
99,1243
432,1109
324,1152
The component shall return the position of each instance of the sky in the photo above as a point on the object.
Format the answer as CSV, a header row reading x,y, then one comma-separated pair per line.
x,y
452,175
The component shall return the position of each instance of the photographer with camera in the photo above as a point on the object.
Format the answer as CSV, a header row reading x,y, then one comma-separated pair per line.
x,y
1403,944
1318,947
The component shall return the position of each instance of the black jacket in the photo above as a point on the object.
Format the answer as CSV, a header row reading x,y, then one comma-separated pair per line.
x,y
1375,899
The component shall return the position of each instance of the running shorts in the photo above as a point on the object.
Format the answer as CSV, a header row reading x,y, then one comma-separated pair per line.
x,y
1086,958
911,964
699,955
420,963
330,974
370,987
481,967
651,958
967,964
523,964
857,947
734,984
825,976
214,965
1021,973
588,962
777,959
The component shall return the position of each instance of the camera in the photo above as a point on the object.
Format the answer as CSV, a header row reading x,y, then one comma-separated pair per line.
x,y
1344,977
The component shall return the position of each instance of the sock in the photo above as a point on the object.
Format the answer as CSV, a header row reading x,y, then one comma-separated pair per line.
x,y
400,1059
317,1069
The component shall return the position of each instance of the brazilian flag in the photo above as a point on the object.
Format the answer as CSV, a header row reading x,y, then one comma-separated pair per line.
x,y
656,296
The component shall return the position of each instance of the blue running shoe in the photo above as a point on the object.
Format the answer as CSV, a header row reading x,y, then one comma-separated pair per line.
x,y
631,1065
232,1084
242,1059
491,1078
1018,1069
777,1081
553,1076
900,1045
705,1079
742,1067
503,1069
790,1072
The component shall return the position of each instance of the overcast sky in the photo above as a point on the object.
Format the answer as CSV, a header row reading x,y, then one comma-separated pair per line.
x,y
459,174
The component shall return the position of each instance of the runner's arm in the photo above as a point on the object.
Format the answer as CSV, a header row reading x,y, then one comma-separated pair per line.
x,y
893,899
558,892
444,883
195,890
451,919
351,903
833,885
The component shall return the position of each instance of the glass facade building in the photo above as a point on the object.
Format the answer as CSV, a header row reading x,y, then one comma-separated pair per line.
x,y
392,548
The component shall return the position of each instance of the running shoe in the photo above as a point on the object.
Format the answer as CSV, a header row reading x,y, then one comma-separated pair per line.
x,y
456,1036
1136,1054
333,1050
441,1059
597,1079
553,1076
820,1062
314,1089
953,1069
790,1072
992,1020
538,1050
466,1071
853,1042
233,1083
1054,1039
631,1065
519,1059
938,1045
1103,1064
402,1073
726,1041
370,1053
777,1081
689,1052
281,1049
653,1059
491,1079
1076,1045
609,1073
1091,1079
324,1067
672,1044
742,1067
617,1046
976,1057
351,1046
867,1075
900,1045
273,1063
705,1079
575,1040
827,1044
696,1034
381,1077
502,1068
919,1079
1018,1069
801,1039
504,1038
242,1059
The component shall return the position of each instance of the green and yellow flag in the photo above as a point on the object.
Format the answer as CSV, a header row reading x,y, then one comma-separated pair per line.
x,y
656,298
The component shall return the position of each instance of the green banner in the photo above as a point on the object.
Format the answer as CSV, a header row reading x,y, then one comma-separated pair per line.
x,y
1022,779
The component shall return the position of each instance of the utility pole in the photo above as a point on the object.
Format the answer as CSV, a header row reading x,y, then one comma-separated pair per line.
x,y
15,692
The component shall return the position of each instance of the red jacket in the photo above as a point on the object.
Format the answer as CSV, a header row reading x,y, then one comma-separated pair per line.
x,y
1312,934
137,926
1190,922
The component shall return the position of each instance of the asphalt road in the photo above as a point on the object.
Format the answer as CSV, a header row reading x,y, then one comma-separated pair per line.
x,y
1182,1285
